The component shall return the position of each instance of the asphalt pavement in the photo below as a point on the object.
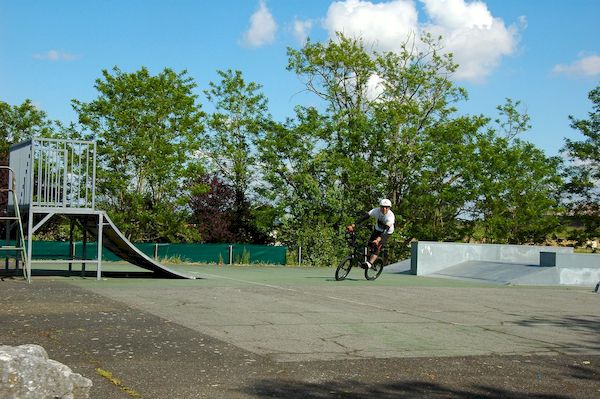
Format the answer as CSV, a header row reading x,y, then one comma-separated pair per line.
x,y
277,332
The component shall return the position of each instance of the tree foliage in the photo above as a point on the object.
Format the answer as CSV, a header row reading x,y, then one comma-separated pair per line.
x,y
147,128
22,122
382,124
583,172
210,202
241,112
517,192
387,127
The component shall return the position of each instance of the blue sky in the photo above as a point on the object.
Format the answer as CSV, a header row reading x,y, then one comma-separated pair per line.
x,y
545,53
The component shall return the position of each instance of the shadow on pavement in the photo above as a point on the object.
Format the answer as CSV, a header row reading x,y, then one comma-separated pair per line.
x,y
271,388
588,325
11,274
584,323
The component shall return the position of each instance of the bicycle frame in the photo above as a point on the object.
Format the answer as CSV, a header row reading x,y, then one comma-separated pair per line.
x,y
356,252
359,258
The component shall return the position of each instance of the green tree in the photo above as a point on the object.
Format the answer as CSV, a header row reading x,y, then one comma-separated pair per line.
x,y
583,172
22,122
19,123
237,123
387,127
516,186
306,200
518,192
381,112
423,148
339,72
438,185
511,120
148,130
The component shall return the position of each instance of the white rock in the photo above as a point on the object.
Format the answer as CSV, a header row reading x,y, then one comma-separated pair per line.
x,y
27,373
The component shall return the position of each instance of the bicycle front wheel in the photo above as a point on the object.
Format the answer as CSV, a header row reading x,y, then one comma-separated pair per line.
x,y
344,268
373,272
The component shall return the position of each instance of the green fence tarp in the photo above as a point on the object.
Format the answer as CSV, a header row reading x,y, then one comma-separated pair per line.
x,y
200,253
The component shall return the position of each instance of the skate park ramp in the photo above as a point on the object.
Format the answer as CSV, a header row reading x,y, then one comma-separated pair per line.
x,y
401,267
497,273
501,273
504,263
114,240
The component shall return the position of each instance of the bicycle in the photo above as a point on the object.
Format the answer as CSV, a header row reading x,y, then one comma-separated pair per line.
x,y
356,258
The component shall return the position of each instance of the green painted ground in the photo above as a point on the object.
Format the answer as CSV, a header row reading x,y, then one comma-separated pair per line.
x,y
235,275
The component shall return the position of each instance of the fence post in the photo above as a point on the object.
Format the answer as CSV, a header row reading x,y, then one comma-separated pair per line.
x,y
299,255
155,251
231,254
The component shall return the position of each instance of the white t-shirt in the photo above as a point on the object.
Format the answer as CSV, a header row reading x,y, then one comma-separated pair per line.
x,y
383,220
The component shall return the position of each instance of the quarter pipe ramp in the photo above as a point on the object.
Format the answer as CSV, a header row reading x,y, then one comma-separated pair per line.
x,y
115,241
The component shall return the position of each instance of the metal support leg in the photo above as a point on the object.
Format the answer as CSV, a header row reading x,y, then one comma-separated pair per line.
x,y
84,255
7,240
29,244
71,243
99,243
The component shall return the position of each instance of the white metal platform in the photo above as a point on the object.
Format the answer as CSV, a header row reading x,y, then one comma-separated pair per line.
x,y
58,178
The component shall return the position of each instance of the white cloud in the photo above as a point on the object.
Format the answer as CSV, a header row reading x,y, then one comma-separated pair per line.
x,y
262,27
374,87
477,39
384,25
55,55
301,29
585,66
523,23
456,14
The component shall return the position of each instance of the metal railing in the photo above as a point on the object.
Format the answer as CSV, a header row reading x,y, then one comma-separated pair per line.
x,y
55,173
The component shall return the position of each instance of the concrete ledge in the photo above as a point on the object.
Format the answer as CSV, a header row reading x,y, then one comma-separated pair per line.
x,y
429,257
569,260
578,260
574,269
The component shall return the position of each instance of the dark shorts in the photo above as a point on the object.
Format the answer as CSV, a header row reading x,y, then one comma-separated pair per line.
x,y
375,249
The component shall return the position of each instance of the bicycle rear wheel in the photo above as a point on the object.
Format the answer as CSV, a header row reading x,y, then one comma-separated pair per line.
x,y
374,272
344,268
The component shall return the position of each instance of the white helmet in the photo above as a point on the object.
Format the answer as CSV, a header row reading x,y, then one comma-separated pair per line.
x,y
385,202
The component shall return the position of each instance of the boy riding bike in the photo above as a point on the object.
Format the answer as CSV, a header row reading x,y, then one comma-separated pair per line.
x,y
381,231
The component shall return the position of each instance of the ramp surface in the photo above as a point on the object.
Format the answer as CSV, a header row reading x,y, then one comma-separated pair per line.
x,y
402,266
115,241
501,273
